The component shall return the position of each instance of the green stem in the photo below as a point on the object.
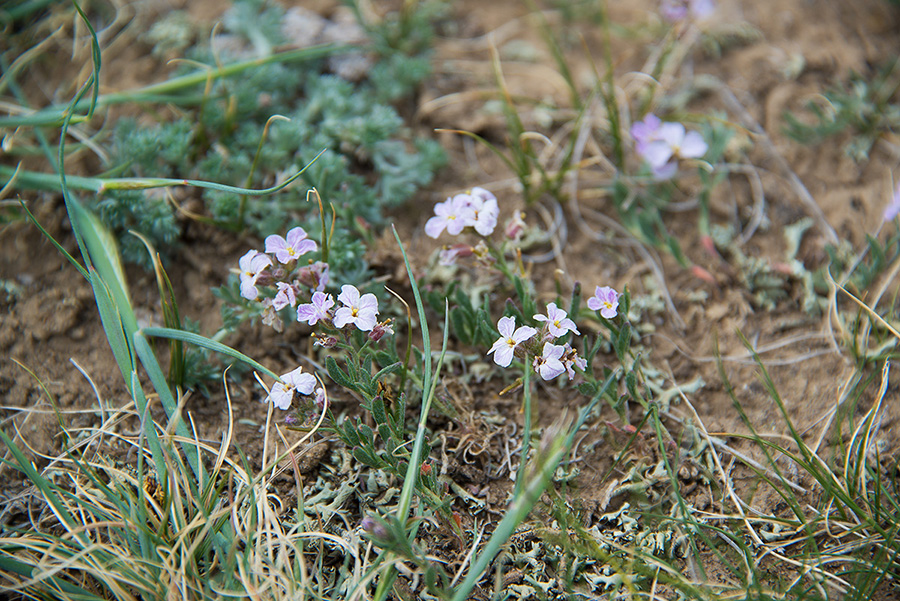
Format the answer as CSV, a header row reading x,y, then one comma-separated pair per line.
x,y
46,181
526,434
253,166
159,92
428,390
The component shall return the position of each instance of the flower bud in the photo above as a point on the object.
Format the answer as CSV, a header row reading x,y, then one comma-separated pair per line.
x,y
314,276
515,227
323,340
375,529
380,330
449,254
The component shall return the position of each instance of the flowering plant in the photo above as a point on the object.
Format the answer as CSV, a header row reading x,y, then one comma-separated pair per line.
x,y
661,145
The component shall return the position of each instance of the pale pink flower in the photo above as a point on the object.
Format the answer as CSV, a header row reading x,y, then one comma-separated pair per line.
x,y
661,145
676,10
485,210
510,338
893,208
673,142
295,245
360,311
251,265
285,296
454,214
317,309
282,393
605,300
645,131
557,320
548,364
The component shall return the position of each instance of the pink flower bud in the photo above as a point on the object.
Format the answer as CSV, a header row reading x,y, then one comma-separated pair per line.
x,y
380,329
515,227
450,254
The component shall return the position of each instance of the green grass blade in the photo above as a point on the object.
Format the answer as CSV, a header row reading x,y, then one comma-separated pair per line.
x,y
547,461
48,490
111,319
209,344
103,255
55,116
171,315
95,62
44,181
160,384
428,387
53,241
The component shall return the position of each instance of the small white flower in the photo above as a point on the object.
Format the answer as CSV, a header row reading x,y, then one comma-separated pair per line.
x,y
282,393
557,320
505,346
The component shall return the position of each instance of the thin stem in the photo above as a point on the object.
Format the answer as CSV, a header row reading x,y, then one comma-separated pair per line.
x,y
526,435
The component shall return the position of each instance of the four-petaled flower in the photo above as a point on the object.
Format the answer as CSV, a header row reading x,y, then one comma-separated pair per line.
x,y
558,322
317,310
476,208
251,265
509,339
549,364
293,246
605,300
662,144
454,214
282,393
360,311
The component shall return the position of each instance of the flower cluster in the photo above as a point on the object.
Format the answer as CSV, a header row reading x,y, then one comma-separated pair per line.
x,y
661,145
549,360
258,268
678,10
278,280
476,208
